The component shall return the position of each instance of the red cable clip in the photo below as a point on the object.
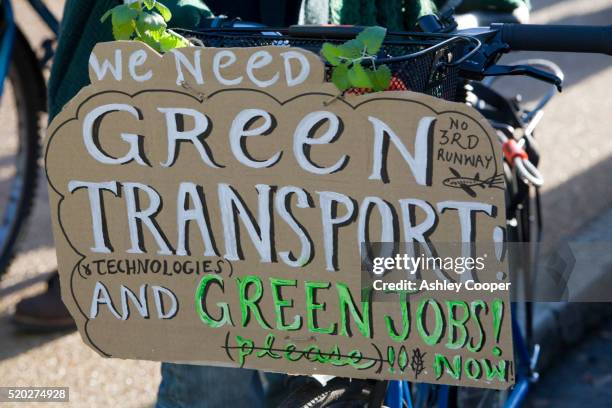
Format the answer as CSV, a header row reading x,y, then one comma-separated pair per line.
x,y
512,150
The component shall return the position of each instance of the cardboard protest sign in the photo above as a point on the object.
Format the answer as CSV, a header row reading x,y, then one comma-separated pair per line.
x,y
210,206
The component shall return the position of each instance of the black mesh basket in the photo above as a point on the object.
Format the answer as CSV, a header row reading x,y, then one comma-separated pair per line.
x,y
419,62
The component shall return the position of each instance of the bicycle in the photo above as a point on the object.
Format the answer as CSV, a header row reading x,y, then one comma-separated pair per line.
x,y
23,93
423,65
456,65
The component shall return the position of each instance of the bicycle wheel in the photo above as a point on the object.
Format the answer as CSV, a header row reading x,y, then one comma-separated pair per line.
x,y
19,147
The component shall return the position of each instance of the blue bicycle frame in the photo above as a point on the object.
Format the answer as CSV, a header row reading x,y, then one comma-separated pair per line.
x,y
6,45
9,32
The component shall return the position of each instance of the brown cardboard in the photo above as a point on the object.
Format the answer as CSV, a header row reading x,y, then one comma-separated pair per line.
x,y
129,136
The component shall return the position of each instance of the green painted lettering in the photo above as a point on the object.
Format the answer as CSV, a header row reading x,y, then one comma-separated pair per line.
x,y
362,319
498,371
248,304
441,362
472,369
457,333
405,312
200,301
290,348
268,348
245,349
312,306
476,307
280,304
436,334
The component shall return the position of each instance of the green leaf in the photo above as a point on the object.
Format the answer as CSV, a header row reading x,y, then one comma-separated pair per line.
x,y
380,78
351,54
164,11
150,41
149,4
150,24
170,40
352,49
124,31
123,22
123,13
358,77
340,77
373,38
331,53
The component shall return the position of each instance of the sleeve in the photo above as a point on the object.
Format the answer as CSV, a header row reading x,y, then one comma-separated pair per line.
x,y
187,13
393,14
502,6
81,30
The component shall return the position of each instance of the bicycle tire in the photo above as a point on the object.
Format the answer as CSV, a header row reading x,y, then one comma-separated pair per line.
x,y
27,94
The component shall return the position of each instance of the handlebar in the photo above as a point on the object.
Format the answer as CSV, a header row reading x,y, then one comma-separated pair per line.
x,y
476,60
565,38
519,37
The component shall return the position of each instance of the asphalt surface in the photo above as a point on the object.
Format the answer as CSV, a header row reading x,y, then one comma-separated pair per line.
x,y
575,140
581,377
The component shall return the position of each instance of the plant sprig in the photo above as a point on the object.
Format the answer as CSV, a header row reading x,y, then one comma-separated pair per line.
x,y
347,59
146,21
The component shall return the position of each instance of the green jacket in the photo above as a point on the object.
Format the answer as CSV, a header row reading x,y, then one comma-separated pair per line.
x,y
81,28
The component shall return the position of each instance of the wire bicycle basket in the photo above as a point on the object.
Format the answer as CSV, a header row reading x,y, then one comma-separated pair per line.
x,y
419,62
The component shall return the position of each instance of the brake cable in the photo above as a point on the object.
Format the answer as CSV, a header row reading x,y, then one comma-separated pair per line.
x,y
516,156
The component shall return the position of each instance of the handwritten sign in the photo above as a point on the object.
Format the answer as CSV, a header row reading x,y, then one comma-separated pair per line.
x,y
210,206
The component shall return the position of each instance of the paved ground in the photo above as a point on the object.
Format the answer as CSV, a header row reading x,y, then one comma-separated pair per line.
x,y
575,140
582,377
574,136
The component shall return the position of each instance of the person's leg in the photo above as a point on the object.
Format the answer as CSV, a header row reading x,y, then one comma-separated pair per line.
x,y
274,388
44,312
196,386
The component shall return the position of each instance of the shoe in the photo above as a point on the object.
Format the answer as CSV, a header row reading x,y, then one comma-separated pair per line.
x,y
44,312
